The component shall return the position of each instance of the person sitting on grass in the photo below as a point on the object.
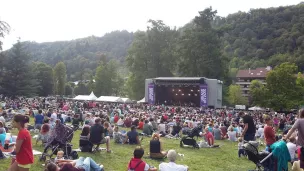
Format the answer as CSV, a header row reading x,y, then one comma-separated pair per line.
x,y
76,120
209,137
81,164
118,137
172,166
97,135
148,129
132,136
156,149
137,164
44,132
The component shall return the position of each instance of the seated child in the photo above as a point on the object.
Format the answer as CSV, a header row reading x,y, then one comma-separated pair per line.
x,y
241,150
59,156
44,132
118,137
292,147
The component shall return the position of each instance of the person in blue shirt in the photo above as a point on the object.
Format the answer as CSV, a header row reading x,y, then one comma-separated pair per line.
x,y
39,120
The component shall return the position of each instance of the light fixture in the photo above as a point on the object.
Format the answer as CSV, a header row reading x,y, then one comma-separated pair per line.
x,y
176,94
198,90
179,90
183,94
172,89
195,94
189,94
191,90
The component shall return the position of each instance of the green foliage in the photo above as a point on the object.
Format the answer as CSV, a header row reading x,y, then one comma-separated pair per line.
x,y
283,91
152,54
44,76
60,78
257,93
235,96
107,79
81,56
68,90
264,34
81,89
199,48
4,29
17,75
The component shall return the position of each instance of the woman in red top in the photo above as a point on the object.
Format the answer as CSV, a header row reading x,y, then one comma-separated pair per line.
x,y
269,132
23,149
141,124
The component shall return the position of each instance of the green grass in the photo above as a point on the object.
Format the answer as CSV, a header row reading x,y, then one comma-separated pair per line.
x,y
224,158
206,159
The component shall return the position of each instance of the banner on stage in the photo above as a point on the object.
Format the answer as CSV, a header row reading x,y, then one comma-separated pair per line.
x,y
204,96
151,93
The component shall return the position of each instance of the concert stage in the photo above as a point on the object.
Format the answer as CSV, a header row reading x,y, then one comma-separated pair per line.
x,y
184,91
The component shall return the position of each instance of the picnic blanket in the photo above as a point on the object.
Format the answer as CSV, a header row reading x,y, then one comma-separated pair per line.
x,y
35,152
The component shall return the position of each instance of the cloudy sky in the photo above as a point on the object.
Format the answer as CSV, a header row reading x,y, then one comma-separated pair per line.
x,y
51,20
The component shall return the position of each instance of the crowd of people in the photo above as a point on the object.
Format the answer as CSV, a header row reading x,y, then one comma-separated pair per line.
x,y
101,123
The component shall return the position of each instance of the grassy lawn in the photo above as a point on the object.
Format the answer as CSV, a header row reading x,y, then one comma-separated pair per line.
x,y
217,159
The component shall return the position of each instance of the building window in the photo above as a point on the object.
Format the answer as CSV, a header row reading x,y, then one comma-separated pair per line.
x,y
246,92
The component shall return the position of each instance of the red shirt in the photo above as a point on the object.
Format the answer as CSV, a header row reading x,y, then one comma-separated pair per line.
x,y
210,139
116,118
134,162
140,125
269,135
25,155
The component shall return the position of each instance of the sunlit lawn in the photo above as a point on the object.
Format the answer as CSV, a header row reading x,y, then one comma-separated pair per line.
x,y
207,159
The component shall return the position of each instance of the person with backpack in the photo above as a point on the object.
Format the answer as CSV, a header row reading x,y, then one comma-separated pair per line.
x,y
136,164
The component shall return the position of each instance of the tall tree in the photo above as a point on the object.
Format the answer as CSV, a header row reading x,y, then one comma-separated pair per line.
x,y
152,54
18,77
258,93
199,48
60,78
235,96
107,79
4,29
282,87
44,76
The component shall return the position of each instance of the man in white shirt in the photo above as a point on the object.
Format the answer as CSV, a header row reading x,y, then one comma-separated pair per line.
x,y
172,166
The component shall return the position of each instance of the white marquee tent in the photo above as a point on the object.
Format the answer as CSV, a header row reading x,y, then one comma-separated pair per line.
x,y
86,97
126,100
142,101
255,108
110,99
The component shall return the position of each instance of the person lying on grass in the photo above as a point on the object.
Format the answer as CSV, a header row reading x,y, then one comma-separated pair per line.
x,y
81,164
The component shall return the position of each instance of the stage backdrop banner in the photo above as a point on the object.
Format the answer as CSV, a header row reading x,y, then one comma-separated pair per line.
x,y
204,95
151,93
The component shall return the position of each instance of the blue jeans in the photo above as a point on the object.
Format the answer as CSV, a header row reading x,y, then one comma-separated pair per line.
x,y
87,164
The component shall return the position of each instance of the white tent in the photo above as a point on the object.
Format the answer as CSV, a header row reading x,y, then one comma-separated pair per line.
x,y
142,101
86,97
110,99
126,100
92,96
255,108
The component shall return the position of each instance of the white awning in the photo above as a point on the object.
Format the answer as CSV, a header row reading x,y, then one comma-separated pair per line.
x,y
126,100
110,99
86,97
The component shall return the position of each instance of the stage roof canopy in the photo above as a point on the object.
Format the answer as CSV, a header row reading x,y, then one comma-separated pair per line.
x,y
178,78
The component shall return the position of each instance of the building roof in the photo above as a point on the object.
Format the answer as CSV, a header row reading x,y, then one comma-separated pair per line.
x,y
179,78
253,73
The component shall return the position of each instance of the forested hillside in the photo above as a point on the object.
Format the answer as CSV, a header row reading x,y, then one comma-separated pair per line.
x,y
263,37
81,56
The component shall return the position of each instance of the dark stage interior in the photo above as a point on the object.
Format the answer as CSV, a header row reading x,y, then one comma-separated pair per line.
x,y
179,95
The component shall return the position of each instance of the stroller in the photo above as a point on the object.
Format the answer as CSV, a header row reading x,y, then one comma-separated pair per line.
x,y
61,142
189,139
263,160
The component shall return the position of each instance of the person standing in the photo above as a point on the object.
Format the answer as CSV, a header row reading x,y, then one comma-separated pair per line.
x,y
23,149
249,127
